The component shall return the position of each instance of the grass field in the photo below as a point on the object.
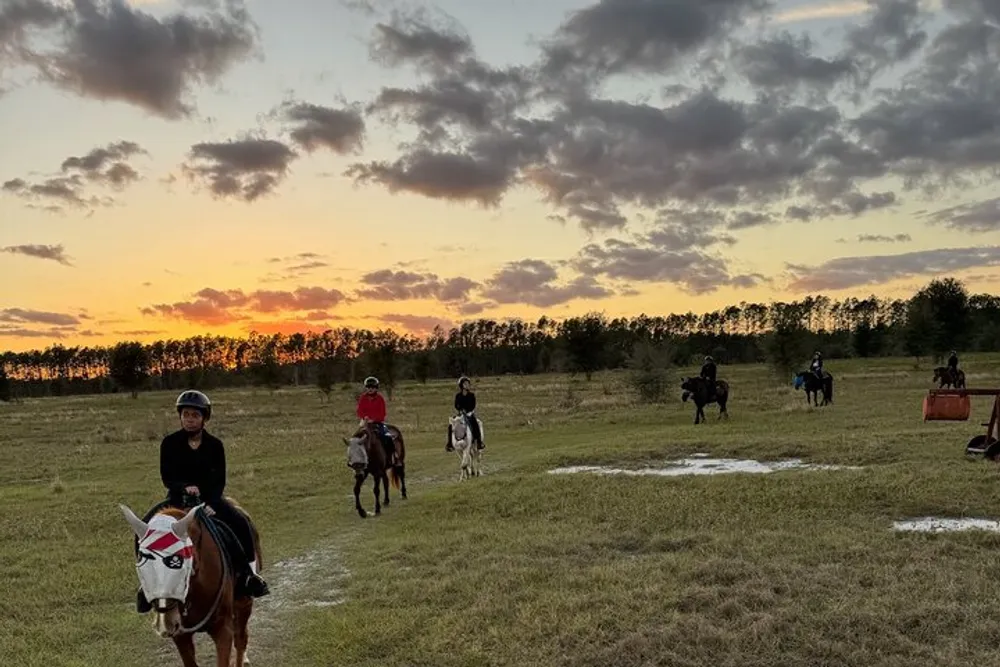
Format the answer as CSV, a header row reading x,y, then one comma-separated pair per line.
x,y
521,567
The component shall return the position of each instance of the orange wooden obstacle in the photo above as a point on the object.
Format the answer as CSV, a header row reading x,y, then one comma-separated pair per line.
x,y
954,405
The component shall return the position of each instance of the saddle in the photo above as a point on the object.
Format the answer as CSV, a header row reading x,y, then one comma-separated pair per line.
x,y
226,538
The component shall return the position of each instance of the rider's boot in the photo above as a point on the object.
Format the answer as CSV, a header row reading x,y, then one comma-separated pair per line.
x,y
255,585
251,583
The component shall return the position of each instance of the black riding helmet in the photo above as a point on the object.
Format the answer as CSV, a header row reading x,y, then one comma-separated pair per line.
x,y
197,400
462,380
371,381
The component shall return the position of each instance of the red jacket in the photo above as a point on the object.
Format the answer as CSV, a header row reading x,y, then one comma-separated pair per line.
x,y
371,406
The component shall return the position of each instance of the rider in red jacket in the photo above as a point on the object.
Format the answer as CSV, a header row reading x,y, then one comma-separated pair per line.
x,y
371,408
371,404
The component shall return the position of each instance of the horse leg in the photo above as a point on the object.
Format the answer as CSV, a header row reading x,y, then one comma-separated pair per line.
x,y
241,638
359,479
385,486
377,479
223,638
185,646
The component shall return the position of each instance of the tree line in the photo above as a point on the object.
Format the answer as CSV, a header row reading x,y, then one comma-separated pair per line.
x,y
940,317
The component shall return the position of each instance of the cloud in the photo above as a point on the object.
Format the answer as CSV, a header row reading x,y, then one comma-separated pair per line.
x,y
114,51
389,285
106,166
897,106
296,266
416,324
338,130
408,38
848,272
977,218
56,253
675,249
245,169
218,307
880,238
639,36
534,282
26,316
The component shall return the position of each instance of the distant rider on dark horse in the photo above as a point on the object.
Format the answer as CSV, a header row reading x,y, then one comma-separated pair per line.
x,y
708,372
193,463
465,405
953,367
371,409
816,365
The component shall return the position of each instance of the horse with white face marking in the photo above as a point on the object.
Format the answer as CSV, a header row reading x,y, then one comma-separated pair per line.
x,y
186,576
469,454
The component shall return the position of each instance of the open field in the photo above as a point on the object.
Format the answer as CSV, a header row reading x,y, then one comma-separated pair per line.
x,y
521,567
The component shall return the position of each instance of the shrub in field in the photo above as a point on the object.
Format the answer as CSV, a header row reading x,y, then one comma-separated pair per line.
x,y
649,378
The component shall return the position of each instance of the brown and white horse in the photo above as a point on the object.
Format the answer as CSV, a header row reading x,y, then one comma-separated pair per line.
x,y
185,575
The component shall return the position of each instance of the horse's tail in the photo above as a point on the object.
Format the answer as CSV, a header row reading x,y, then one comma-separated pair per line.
x,y
829,388
396,468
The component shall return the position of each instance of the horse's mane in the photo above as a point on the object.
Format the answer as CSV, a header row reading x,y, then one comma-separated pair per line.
x,y
175,512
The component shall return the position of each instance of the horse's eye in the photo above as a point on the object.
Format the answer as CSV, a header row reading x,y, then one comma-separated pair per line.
x,y
174,562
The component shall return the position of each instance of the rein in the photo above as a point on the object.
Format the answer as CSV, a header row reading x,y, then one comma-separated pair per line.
x,y
213,531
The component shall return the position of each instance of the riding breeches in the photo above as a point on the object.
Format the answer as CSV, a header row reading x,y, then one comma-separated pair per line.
x,y
227,514
387,443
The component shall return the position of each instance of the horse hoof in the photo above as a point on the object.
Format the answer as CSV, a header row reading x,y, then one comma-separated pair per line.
x,y
363,514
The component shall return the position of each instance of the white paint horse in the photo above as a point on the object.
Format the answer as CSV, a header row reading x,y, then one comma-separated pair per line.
x,y
470,454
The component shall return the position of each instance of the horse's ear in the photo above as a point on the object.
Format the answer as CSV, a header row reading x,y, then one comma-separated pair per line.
x,y
346,441
139,527
182,527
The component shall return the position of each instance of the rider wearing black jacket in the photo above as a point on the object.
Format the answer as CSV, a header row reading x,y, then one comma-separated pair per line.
x,y
193,463
708,371
465,404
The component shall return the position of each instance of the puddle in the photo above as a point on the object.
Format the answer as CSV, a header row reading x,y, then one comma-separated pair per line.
x,y
701,464
934,525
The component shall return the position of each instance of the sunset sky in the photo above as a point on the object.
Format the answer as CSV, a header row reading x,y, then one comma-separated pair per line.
x,y
213,166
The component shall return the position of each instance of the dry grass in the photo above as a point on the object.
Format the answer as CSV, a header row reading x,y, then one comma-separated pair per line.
x,y
520,567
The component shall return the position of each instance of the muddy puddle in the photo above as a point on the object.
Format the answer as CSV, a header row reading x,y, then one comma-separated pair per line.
x,y
702,464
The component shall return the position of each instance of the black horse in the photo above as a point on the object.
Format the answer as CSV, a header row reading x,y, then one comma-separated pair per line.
x,y
814,386
700,390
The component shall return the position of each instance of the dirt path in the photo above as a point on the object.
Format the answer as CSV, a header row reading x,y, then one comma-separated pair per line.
x,y
314,579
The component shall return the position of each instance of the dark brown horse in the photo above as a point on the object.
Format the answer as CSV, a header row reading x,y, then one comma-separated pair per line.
x,y
700,390
190,582
814,387
946,377
367,454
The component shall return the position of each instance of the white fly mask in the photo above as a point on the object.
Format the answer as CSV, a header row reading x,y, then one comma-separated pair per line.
x,y
357,455
459,429
166,555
